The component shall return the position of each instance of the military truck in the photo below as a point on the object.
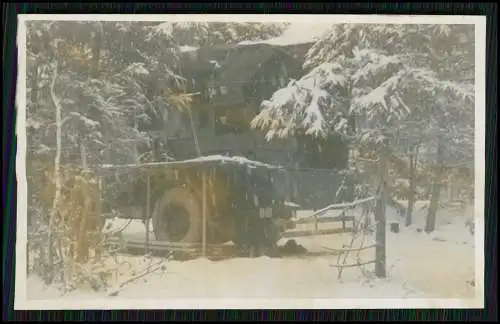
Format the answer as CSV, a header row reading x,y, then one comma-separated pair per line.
x,y
228,84
214,199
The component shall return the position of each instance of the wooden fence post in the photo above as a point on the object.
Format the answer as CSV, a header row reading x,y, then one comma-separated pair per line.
x,y
380,216
204,214
148,211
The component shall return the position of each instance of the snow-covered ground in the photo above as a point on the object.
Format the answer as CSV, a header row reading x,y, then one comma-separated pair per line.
x,y
437,266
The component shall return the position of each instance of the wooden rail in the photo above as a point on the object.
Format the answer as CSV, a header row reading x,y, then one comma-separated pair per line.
x,y
205,249
326,231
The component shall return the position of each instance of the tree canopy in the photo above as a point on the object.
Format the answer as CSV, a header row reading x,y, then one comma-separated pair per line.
x,y
384,74
114,81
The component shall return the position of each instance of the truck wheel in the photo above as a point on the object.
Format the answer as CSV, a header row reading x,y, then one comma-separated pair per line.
x,y
177,217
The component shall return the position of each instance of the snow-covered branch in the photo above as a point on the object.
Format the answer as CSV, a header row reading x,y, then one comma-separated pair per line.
x,y
296,104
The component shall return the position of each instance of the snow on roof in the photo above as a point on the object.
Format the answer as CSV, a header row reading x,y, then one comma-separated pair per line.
x,y
296,33
210,159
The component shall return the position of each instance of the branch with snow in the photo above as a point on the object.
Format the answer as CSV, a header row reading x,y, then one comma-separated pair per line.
x,y
303,105
362,70
137,273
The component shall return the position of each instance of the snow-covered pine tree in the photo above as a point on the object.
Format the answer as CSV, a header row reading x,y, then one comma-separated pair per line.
x,y
106,96
96,105
447,50
381,75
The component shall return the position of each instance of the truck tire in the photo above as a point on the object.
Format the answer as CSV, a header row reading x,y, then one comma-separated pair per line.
x,y
177,217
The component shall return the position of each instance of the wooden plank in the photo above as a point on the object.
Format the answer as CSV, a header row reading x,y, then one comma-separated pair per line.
x,y
207,162
326,231
311,220
344,206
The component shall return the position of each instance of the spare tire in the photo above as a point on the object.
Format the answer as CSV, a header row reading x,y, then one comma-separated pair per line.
x,y
177,217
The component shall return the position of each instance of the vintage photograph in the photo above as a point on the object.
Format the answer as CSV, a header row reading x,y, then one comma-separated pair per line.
x,y
236,161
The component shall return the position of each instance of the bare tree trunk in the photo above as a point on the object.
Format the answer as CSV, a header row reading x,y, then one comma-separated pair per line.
x,y
94,73
34,100
193,130
82,148
380,216
413,184
430,223
165,131
295,177
134,144
34,86
57,176
83,154
96,52
107,153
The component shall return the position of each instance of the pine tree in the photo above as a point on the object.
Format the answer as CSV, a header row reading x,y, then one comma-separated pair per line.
x,y
398,82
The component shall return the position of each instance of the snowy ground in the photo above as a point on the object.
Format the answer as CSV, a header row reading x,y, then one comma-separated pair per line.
x,y
419,266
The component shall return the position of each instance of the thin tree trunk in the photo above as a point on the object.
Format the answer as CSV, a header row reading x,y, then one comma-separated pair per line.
x,y
380,216
413,185
34,100
107,152
295,185
193,130
94,74
83,154
57,177
82,149
352,131
163,141
34,87
430,223
134,144
96,52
